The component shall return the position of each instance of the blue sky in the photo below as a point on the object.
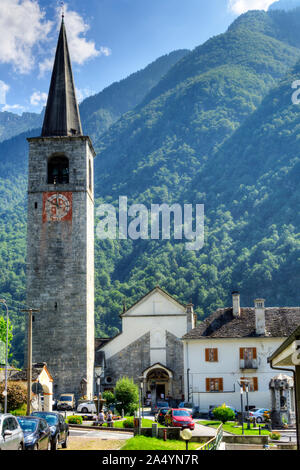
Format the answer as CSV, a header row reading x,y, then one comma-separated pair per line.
x,y
108,39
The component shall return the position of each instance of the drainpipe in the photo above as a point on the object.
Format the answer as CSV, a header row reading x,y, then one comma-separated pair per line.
x,y
296,401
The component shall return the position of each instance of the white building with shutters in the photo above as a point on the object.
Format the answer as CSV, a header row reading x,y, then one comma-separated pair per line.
x,y
233,345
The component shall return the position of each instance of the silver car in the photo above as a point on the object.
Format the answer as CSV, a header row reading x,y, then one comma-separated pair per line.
x,y
87,407
11,434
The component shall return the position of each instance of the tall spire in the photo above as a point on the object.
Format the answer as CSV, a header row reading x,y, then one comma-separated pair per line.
x,y
62,114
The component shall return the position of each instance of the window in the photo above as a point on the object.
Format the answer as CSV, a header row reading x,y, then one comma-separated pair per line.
x,y
248,358
58,170
248,353
211,355
252,381
214,385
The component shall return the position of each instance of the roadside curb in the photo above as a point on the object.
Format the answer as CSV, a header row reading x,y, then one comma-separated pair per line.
x,y
96,428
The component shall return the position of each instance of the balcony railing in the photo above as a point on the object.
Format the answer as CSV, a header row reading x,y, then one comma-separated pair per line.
x,y
248,364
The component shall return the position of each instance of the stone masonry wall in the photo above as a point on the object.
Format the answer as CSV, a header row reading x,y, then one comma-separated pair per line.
x,y
60,266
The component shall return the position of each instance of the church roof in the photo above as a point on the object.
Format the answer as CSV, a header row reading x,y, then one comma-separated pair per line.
x,y
148,294
280,322
62,114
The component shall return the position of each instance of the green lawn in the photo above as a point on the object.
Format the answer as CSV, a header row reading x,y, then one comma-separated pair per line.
x,y
146,423
152,443
230,426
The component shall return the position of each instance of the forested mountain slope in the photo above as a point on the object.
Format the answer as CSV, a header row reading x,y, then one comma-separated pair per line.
x,y
218,128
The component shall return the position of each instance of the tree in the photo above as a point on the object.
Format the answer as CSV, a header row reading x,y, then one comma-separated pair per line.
x,y
16,395
127,396
224,413
3,333
109,397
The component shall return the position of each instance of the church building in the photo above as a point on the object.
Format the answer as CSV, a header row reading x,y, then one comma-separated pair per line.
x,y
149,349
60,238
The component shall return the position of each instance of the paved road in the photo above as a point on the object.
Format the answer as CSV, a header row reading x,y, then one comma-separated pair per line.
x,y
102,435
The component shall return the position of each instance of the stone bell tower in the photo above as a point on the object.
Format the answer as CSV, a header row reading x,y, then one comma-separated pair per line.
x,y
60,238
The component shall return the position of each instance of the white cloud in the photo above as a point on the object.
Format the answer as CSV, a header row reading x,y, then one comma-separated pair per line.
x,y
241,6
13,108
82,93
4,88
80,48
38,98
22,26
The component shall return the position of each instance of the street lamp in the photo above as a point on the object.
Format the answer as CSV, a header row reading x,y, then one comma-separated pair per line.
x,y
98,372
242,405
3,301
142,388
247,398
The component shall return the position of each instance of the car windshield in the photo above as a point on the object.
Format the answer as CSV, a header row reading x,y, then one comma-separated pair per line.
x,y
188,405
28,425
52,420
65,399
181,413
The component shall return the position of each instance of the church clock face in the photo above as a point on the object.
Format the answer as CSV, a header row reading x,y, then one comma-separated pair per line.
x,y
57,207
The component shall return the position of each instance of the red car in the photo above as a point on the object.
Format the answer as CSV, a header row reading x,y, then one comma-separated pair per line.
x,y
179,417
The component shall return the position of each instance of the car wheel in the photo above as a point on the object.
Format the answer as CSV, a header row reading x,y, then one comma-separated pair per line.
x,y
54,444
65,444
259,419
35,447
49,445
20,446
84,410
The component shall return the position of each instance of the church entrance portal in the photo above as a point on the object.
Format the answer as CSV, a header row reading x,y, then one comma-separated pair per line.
x,y
157,385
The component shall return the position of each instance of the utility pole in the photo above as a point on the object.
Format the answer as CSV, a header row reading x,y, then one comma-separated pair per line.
x,y
30,311
3,301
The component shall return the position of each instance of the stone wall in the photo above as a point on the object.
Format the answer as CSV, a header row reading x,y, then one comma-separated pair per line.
x,y
131,361
60,266
175,363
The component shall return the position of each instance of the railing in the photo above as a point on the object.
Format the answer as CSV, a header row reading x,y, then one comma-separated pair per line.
x,y
215,442
248,364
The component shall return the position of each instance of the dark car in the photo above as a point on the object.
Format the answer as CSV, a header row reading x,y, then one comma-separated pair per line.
x,y
160,416
58,427
198,412
37,435
181,418
159,404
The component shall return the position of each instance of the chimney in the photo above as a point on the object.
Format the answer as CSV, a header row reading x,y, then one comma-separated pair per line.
x,y
190,317
236,307
260,320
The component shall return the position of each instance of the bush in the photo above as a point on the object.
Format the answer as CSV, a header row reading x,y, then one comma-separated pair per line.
x,y
75,419
224,414
128,423
275,436
20,411
16,395
127,396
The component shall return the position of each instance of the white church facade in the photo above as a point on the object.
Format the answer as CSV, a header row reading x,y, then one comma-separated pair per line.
x,y
149,348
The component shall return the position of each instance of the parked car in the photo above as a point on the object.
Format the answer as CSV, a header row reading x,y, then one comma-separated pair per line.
x,y
258,414
186,405
58,427
37,434
198,412
11,434
160,416
87,407
66,402
160,404
177,417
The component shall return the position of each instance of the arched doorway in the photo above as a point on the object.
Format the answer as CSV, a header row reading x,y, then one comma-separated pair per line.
x,y
157,384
